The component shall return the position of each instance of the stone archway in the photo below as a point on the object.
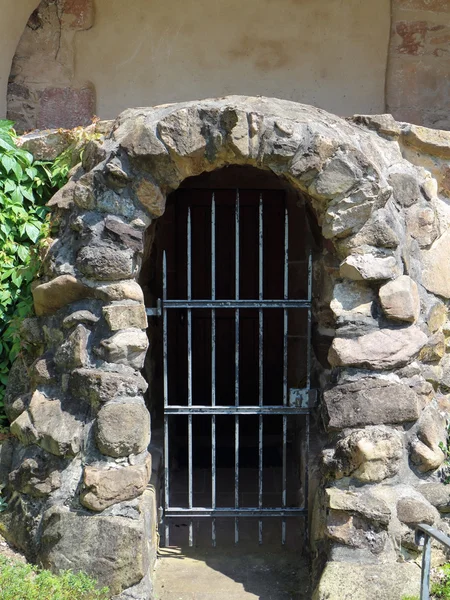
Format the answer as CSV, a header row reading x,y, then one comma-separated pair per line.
x,y
79,468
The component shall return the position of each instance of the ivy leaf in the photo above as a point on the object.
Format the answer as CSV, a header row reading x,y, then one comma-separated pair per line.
x,y
9,186
27,193
32,232
5,124
17,279
31,172
23,253
5,145
16,196
8,162
18,171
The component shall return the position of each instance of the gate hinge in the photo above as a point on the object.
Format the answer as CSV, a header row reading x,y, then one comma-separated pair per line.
x,y
155,311
160,514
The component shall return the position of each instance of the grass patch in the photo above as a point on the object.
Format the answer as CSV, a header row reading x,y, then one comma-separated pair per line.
x,y
440,585
20,581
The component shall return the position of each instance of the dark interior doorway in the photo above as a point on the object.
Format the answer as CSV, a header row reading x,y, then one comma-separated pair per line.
x,y
270,449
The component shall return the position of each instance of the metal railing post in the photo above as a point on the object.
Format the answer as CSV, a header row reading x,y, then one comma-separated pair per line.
x,y
424,536
426,564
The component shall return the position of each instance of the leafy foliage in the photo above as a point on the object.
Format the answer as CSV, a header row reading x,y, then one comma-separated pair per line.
x,y
25,187
19,581
445,468
440,588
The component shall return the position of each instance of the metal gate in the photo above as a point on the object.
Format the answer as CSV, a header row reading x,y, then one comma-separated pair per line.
x,y
292,402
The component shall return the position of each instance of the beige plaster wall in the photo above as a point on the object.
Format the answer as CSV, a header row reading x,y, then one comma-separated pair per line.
x,y
14,17
330,53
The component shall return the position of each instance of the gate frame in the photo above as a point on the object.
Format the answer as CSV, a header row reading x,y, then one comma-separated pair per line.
x,y
296,401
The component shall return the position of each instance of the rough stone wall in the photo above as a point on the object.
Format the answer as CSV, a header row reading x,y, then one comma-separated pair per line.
x,y
44,90
78,469
417,82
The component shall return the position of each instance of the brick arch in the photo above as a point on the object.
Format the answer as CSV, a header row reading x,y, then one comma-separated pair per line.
x,y
90,340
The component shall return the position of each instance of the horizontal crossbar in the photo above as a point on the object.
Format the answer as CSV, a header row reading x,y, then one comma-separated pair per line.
x,y
236,304
233,512
235,410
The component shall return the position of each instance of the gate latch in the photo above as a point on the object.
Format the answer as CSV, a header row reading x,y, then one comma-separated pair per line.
x,y
155,311
302,397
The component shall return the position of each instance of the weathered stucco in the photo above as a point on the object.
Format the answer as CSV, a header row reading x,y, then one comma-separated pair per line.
x,y
417,82
14,19
331,55
379,308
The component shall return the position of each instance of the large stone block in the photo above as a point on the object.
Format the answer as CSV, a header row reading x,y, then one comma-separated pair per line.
x,y
123,428
16,396
125,234
354,531
364,504
400,299
103,263
49,424
123,315
114,550
73,353
436,266
369,401
122,290
370,454
380,349
352,300
359,267
36,473
104,487
387,581
413,511
338,176
431,432
437,494
422,224
127,347
98,386
151,197
50,297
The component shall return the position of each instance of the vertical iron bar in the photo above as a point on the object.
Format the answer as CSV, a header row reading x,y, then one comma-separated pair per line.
x,y
189,359
261,360
285,367
166,401
213,365
308,334
308,387
236,362
426,565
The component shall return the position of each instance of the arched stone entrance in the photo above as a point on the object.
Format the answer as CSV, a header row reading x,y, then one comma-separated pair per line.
x,y
78,473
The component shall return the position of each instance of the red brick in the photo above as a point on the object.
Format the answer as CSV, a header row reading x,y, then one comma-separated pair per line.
x,y
78,14
66,107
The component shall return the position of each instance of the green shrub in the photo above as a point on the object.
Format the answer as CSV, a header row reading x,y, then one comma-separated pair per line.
x,y
440,585
19,581
26,186
440,588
